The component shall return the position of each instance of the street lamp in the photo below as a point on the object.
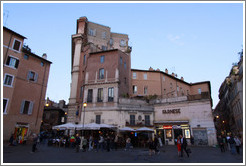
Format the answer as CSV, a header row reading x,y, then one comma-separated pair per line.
x,y
84,105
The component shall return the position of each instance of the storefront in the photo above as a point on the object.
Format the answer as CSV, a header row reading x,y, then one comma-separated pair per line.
x,y
168,131
20,133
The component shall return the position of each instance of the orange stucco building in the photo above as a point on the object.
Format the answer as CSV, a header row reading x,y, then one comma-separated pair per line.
x,y
25,78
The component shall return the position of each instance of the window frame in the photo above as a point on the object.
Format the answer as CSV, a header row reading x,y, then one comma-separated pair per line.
x,y
134,89
199,91
134,75
92,32
145,76
110,94
147,120
101,73
5,75
145,90
122,43
104,35
102,58
14,44
98,118
10,64
35,77
6,106
132,120
100,95
29,109
89,95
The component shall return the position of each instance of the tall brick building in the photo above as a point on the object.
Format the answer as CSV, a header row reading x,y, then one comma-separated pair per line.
x,y
25,78
116,94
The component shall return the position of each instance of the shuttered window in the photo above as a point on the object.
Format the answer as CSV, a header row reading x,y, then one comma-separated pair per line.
x,y
26,107
32,76
12,62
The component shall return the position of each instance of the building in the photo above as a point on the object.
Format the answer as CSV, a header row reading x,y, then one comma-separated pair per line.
x,y
53,114
228,114
25,77
116,94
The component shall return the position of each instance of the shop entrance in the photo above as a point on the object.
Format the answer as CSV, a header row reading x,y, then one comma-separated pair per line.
x,y
177,132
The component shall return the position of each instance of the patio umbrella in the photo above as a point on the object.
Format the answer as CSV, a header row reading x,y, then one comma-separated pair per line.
x,y
145,129
89,126
126,129
65,126
107,126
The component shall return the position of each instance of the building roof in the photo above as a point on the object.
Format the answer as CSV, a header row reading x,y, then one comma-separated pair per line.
x,y
11,31
34,55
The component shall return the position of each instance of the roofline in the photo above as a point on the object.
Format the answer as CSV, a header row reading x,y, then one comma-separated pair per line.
x,y
162,73
30,53
105,51
14,32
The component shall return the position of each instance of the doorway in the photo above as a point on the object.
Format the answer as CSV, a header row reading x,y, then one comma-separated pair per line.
x,y
177,132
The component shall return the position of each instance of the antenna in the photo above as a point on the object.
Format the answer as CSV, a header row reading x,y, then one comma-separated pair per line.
x,y
5,17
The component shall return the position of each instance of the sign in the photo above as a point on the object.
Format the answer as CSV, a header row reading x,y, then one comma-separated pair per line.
x,y
167,127
171,111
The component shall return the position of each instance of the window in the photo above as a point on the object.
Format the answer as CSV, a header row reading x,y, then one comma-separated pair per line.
x,y
100,95
199,91
102,58
122,43
104,35
42,64
26,107
8,80
177,88
110,94
5,104
32,76
111,42
134,89
104,48
145,76
16,45
101,73
121,61
12,62
98,119
92,32
26,56
134,75
90,95
125,65
163,78
168,134
145,90
132,120
147,120
84,59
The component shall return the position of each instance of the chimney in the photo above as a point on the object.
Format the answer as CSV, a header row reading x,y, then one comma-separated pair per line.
x,y
173,74
157,69
151,69
166,71
182,78
44,56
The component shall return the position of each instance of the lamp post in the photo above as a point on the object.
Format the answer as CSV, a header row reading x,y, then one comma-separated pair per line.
x,y
84,105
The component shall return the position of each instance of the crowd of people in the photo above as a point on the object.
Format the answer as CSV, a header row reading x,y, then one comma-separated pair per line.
x,y
230,143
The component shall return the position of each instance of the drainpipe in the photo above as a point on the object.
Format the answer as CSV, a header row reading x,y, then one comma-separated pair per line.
x,y
8,49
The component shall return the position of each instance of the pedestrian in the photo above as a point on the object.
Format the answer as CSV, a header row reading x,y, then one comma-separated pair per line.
x,y
84,143
192,140
72,140
116,142
108,143
101,142
77,142
11,140
34,142
183,145
90,143
128,143
179,146
151,147
156,145
221,143
232,144
238,144
228,144
96,144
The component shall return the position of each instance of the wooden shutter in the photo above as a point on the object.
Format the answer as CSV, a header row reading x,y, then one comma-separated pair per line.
x,y
36,77
22,106
28,75
30,108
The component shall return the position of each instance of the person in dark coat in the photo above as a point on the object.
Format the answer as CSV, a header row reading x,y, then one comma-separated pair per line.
x,y
183,145
221,144
77,142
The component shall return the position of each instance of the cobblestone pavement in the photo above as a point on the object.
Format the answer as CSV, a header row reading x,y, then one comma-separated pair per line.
x,y
168,154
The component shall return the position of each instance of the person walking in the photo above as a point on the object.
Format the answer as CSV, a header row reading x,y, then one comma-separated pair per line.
x,y
128,143
237,143
183,146
101,142
77,142
116,142
232,144
108,143
90,143
156,145
84,143
151,147
34,142
179,146
221,143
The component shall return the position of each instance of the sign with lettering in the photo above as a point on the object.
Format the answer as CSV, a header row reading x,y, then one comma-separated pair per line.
x,y
171,111
167,127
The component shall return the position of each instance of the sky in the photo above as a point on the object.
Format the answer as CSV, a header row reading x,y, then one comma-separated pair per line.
x,y
198,41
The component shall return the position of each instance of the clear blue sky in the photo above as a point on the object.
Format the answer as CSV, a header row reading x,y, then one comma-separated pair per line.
x,y
198,41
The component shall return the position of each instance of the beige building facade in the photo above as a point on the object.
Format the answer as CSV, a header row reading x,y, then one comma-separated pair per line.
x,y
25,77
118,95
